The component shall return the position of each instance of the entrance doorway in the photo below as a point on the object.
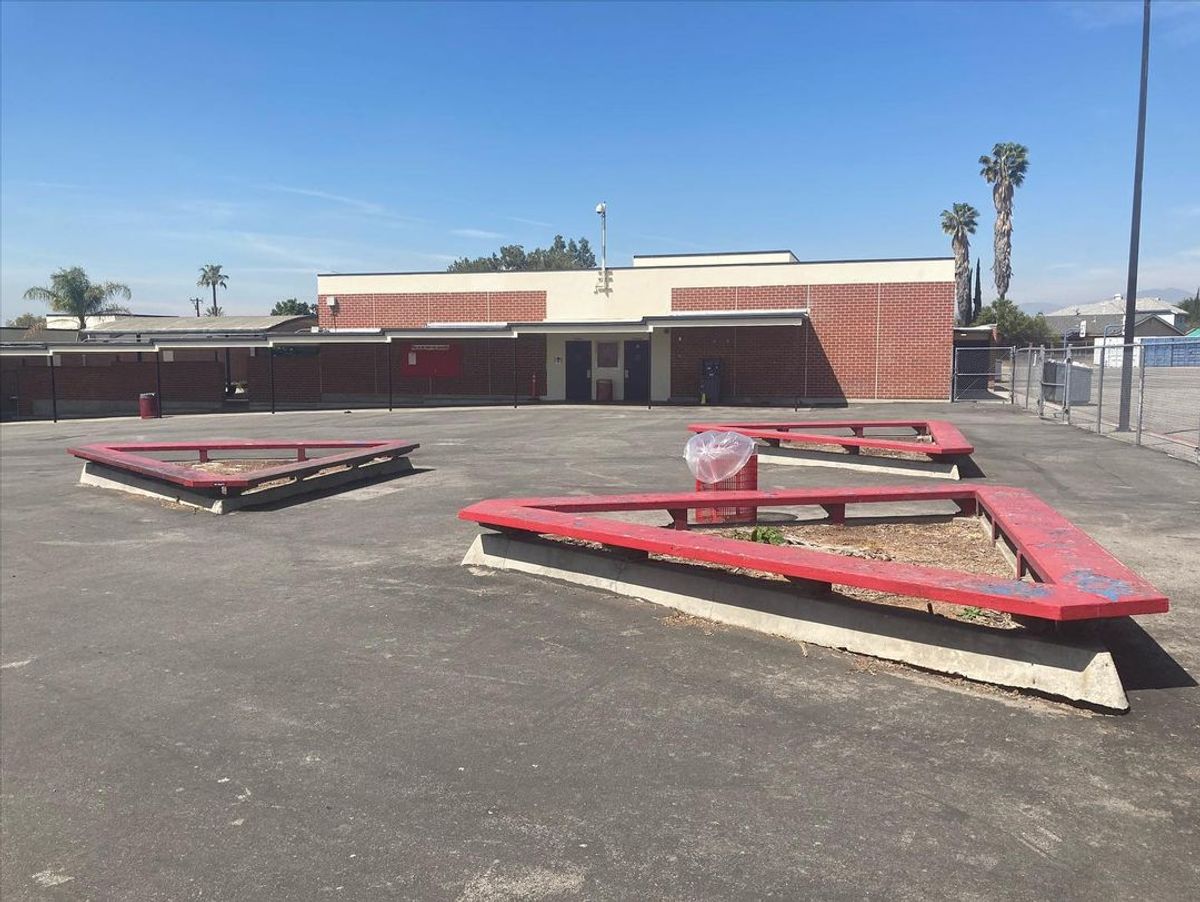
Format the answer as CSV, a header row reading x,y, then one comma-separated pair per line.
x,y
579,371
637,370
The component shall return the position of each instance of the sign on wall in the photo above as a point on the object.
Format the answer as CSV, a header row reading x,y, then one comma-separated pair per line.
x,y
431,359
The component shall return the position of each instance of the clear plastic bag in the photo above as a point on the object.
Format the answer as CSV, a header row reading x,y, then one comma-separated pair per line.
x,y
715,456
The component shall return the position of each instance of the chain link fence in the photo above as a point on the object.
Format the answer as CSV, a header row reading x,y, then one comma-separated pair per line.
x,y
1081,385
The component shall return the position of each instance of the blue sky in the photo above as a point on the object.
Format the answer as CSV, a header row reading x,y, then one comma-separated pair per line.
x,y
281,140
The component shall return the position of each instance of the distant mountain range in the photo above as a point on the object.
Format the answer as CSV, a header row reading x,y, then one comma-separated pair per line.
x,y
1170,295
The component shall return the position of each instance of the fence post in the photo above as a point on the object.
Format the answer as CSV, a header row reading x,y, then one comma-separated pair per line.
x,y
1012,375
271,371
1066,399
53,391
954,374
158,379
389,368
1141,397
1028,374
1100,392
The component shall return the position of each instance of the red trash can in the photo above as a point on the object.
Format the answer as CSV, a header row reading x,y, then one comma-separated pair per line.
x,y
148,405
744,480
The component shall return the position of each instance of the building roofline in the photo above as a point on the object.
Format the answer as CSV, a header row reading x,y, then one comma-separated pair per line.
x,y
715,254
596,269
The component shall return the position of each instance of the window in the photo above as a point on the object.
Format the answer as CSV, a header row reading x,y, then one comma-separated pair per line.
x,y
606,353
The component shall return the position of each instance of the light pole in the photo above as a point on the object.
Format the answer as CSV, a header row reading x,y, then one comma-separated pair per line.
x,y
602,211
1135,229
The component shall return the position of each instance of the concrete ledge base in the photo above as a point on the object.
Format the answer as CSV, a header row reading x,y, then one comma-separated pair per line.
x,y
105,477
804,457
1080,671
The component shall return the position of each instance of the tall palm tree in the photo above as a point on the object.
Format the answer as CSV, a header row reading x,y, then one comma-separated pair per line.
x,y
71,291
1005,171
210,277
959,223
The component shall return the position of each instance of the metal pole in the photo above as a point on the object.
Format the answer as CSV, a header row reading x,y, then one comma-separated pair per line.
x,y
514,364
1012,375
954,374
1066,399
158,379
1028,374
1135,229
271,368
649,370
389,368
1141,396
53,392
1100,395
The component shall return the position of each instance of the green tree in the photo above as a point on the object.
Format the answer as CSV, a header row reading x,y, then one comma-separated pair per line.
x,y
959,223
1191,306
1005,171
560,254
72,292
1014,326
211,277
292,307
28,321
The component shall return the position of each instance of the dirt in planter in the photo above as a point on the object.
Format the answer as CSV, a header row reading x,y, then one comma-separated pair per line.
x,y
957,544
234,467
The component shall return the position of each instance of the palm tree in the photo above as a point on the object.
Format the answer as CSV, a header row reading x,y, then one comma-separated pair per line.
x,y
1005,171
959,223
71,291
210,277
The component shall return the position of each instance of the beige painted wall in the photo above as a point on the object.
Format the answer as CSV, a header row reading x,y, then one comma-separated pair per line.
x,y
636,292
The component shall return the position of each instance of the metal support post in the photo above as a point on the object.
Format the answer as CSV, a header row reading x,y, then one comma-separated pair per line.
x,y
1141,396
158,380
1028,374
389,369
1100,392
1066,398
1012,375
650,370
53,392
953,374
271,370
516,388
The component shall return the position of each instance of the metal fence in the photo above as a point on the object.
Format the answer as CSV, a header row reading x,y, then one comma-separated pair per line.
x,y
983,374
1081,385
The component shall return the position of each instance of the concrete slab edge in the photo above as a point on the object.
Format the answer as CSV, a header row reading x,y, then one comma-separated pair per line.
x,y
1079,671
799,457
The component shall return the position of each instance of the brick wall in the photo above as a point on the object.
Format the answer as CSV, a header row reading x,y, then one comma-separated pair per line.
x,y
111,383
734,297
417,309
360,371
863,341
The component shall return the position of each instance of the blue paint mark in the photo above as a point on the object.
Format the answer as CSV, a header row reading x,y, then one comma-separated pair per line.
x,y
1099,584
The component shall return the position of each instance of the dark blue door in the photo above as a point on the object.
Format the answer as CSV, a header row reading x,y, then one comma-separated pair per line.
x,y
579,371
637,370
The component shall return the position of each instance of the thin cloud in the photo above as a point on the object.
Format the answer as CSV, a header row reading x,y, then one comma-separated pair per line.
x,y
477,233
531,222
364,206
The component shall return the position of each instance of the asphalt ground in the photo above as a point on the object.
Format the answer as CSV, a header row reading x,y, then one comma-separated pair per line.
x,y
318,701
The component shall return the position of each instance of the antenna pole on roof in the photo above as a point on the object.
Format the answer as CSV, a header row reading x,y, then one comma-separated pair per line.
x,y
1135,230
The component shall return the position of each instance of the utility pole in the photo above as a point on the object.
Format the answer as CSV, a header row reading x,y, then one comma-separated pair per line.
x,y
602,212
1135,233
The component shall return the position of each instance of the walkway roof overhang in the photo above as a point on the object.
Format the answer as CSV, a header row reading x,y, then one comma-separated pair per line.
x,y
443,331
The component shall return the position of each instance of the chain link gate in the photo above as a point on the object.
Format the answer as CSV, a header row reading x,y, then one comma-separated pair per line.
x,y
983,374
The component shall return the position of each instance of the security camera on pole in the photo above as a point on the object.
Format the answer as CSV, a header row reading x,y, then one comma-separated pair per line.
x,y
604,285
